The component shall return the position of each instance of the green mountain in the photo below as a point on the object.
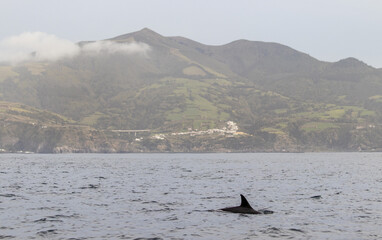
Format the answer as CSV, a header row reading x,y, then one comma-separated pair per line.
x,y
281,99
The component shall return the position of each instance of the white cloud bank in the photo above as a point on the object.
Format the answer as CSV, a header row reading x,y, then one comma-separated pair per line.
x,y
39,46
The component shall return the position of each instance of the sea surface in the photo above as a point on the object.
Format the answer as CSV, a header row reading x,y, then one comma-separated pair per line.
x,y
177,196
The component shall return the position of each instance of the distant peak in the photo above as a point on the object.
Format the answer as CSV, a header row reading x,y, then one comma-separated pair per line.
x,y
140,35
350,62
147,31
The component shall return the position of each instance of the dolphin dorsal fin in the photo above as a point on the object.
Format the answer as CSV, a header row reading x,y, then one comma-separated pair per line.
x,y
244,202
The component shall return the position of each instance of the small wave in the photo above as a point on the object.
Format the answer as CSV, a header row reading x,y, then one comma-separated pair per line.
x,y
154,238
47,220
266,211
158,210
275,232
149,202
223,197
133,191
136,200
8,195
168,204
55,218
4,228
172,218
296,230
63,216
90,186
271,230
15,186
47,232
210,210
316,197
101,205
46,208
6,237
123,236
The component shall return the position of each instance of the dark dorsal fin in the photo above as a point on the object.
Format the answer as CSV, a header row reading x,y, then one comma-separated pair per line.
x,y
244,202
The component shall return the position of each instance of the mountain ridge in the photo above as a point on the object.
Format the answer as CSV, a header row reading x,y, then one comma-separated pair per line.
x,y
149,32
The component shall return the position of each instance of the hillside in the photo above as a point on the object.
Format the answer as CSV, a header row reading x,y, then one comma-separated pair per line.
x,y
26,129
280,98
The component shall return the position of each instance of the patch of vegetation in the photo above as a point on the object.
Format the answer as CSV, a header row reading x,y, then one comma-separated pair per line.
x,y
7,72
318,126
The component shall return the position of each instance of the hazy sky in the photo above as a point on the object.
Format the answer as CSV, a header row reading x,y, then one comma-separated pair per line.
x,y
329,30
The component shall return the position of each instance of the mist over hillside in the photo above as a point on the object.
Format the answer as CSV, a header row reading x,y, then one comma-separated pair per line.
x,y
184,95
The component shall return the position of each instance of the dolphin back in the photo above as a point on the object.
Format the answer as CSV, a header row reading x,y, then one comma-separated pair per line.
x,y
244,207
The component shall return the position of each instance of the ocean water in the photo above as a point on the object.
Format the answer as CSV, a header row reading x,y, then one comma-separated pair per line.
x,y
177,196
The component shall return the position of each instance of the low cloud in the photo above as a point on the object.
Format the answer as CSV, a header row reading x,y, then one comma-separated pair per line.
x,y
112,47
36,46
39,46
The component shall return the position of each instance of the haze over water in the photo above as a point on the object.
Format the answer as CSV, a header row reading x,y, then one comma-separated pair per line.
x,y
170,196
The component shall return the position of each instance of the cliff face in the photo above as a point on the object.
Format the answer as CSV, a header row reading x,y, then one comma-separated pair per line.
x,y
43,139
21,137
